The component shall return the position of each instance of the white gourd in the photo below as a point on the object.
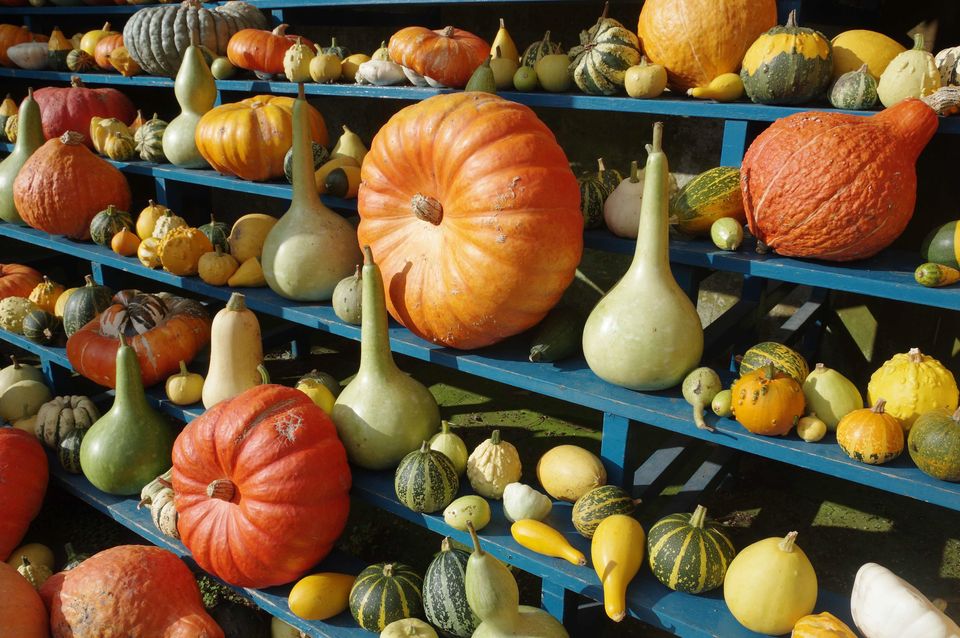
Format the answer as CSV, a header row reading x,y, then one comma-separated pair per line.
x,y
522,501
29,55
886,606
380,73
492,466
621,210
236,353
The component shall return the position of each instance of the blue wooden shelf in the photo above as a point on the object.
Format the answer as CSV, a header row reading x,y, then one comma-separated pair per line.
x,y
104,10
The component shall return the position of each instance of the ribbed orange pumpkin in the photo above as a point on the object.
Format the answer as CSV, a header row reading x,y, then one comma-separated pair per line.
x,y
23,482
449,55
21,609
104,48
870,435
11,34
474,215
64,185
697,40
249,138
128,590
261,486
767,401
17,280
833,186
262,50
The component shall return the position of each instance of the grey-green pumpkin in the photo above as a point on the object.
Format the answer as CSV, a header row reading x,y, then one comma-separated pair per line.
x,y
445,593
149,140
597,504
85,304
320,157
40,326
688,552
606,51
426,480
218,233
855,90
384,593
108,223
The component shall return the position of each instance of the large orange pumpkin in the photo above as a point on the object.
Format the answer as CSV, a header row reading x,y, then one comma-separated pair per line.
x,y
64,185
11,34
474,215
17,280
249,138
262,50
128,590
22,614
833,186
23,482
261,486
449,55
697,40
163,330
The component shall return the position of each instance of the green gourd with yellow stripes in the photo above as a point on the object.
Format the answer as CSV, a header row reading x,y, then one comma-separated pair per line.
x,y
606,51
784,358
426,480
942,245
594,190
386,592
445,593
688,552
597,504
709,196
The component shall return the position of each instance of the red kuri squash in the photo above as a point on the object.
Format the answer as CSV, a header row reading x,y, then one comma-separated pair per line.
x,y
833,186
17,280
262,50
63,185
70,109
23,482
21,610
449,55
261,486
474,215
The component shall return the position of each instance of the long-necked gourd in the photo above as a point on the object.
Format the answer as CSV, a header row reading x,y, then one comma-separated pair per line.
x,y
29,139
130,445
383,413
196,93
236,353
645,334
493,596
311,248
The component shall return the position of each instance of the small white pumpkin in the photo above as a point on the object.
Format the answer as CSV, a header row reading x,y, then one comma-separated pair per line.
x,y
522,501
621,210
23,399
492,466
912,73
886,606
413,77
29,55
380,73
408,628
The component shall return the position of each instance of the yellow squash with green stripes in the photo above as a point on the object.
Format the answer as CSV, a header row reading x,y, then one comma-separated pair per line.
x,y
386,592
688,552
783,358
709,196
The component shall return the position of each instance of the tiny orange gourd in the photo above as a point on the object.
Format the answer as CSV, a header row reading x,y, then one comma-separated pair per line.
x,y
870,435
125,243
767,401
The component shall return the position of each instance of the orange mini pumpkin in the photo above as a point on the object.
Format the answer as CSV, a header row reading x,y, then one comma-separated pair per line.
x,y
181,249
262,50
823,625
46,293
125,243
448,55
104,48
767,401
870,435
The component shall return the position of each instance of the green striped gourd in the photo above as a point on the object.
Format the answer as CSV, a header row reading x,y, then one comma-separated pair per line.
x,y
709,196
84,304
320,157
218,233
386,592
108,223
68,451
598,504
605,53
855,90
594,190
785,359
41,327
445,593
942,246
149,140
426,480
538,50
934,444
689,553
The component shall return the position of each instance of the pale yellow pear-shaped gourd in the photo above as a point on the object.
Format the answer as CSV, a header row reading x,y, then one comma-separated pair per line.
x,y
236,353
912,73
382,414
29,139
349,145
196,93
311,248
645,334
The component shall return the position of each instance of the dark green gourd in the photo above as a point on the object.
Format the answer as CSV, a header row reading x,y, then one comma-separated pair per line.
x,y
445,593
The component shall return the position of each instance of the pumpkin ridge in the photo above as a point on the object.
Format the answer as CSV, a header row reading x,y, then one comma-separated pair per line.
x,y
675,571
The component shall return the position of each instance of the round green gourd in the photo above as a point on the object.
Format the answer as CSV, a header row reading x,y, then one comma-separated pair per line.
x,y
218,233
785,359
598,504
79,61
68,451
934,444
41,327
855,90
85,304
689,553
538,50
320,157
594,190
108,223
942,245
426,480
149,140
386,592
605,53
445,593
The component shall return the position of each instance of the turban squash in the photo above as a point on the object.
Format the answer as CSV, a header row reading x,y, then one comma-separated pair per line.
x,y
474,215
163,330
834,186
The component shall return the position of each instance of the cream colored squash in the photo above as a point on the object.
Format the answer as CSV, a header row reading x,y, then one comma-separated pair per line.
x,y
236,353
913,73
886,606
247,235
452,446
522,501
408,628
567,472
492,466
23,399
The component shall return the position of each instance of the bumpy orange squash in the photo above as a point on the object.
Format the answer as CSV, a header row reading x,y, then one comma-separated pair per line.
x,y
767,401
448,56
824,625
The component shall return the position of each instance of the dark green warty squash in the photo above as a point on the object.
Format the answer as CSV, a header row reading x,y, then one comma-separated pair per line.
x,y
856,90
218,234
426,480
85,304
41,327
108,223
594,190
445,593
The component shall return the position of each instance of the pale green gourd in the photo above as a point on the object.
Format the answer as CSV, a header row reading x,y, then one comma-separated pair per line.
x,y
29,139
130,445
196,93
452,446
830,395
382,414
311,248
645,334
493,596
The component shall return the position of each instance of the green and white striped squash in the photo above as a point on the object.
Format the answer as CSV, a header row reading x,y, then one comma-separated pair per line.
x,y
149,140
855,90
84,304
689,553
40,326
594,190
218,233
785,359
539,49
709,196
787,65
320,157
445,593
386,592
598,504
68,451
426,480
108,223
605,53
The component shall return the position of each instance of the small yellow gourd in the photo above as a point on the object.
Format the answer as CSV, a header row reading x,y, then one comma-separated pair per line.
x,y
492,466
912,73
62,301
645,80
296,62
101,128
236,353
45,294
325,67
726,87
913,383
147,219
36,553
148,252
248,275
320,394
217,267
543,539
824,625
408,628
166,222
811,429
248,234
321,596
36,574
617,551
181,249
184,387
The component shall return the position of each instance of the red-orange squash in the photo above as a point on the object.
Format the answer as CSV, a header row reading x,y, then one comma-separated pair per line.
x,y
262,50
10,35
261,486
21,610
17,280
163,329
23,482
474,215
250,138
128,590
63,185
697,40
101,54
448,55
71,108
833,186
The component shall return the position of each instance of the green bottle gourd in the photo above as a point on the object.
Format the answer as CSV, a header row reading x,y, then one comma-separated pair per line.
x,y
645,334
383,413
130,445
311,248
196,93
29,139
482,79
493,596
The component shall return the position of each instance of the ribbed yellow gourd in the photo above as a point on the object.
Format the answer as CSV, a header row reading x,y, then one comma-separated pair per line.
x,y
913,383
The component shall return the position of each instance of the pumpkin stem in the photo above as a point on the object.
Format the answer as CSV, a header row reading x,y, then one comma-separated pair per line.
x,y
476,539
106,26
447,32
444,427
183,368
600,166
787,544
699,517
915,355
427,208
634,172
657,145
792,18
281,29
546,38
237,302
862,69
30,92
956,416
445,544
76,82
71,138
388,570
769,370
495,438
16,364
502,25
424,447
223,489
367,255
918,44
24,561
88,279
878,407
319,49
820,366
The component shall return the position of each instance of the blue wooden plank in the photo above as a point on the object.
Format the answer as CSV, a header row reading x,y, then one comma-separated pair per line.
x,y
734,143
651,477
615,447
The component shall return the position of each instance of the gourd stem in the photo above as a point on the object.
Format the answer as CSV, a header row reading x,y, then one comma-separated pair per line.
x,y
445,544
426,208
956,416
16,364
634,172
918,42
600,166
862,69
30,92
699,517
71,138
915,356
375,355
222,489
183,368
76,82
68,549
792,19
786,545
424,447
24,561
444,427
237,302
388,570
878,407
447,32
502,25
606,9
495,438
476,539
820,366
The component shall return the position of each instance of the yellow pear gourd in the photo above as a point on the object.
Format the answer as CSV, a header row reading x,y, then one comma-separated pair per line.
x,y
543,539
617,551
184,387
321,596
236,353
